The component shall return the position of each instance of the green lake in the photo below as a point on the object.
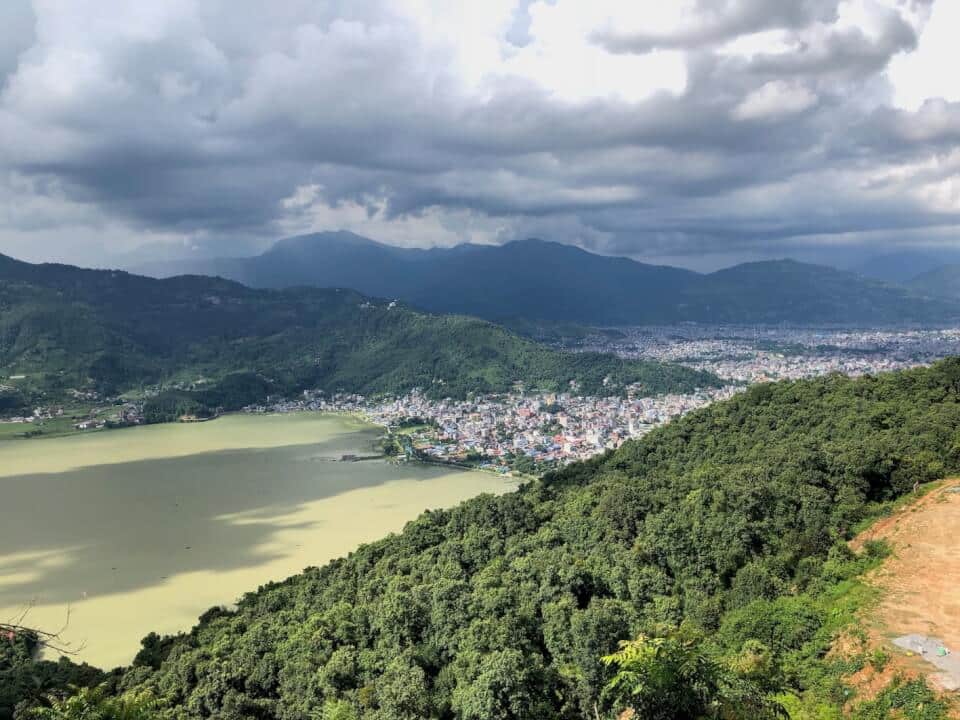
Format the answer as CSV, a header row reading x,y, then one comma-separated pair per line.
x,y
119,533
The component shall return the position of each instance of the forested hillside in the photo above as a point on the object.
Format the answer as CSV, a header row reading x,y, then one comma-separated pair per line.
x,y
65,327
728,522
788,291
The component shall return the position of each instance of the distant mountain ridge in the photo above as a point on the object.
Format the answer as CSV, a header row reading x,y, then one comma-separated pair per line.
x,y
529,278
548,281
942,282
905,265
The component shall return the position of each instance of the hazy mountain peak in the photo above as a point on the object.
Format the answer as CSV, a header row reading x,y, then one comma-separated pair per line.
x,y
319,239
904,265
542,280
943,282
778,264
534,242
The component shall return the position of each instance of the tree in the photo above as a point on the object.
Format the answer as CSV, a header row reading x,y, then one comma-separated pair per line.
x,y
503,684
26,680
673,678
96,704
402,691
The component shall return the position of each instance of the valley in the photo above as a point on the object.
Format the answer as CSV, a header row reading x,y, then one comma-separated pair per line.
x,y
520,360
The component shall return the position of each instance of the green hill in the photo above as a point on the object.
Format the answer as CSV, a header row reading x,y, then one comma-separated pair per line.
x,y
730,522
66,327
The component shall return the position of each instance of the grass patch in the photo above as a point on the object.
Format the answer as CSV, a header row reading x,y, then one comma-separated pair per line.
x,y
911,700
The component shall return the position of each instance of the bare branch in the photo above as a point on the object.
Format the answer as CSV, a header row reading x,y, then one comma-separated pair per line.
x,y
10,631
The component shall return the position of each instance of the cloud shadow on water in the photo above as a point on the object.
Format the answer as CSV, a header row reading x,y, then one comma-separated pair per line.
x,y
122,527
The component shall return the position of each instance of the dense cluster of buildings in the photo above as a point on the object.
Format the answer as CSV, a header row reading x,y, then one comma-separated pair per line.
x,y
511,431
750,354
38,415
130,413
533,431
771,366
530,432
114,415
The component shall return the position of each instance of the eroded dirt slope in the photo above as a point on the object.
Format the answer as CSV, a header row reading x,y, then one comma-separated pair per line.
x,y
919,584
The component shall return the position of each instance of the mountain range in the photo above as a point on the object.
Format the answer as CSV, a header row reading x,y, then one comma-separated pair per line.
x,y
942,281
548,281
904,266
226,345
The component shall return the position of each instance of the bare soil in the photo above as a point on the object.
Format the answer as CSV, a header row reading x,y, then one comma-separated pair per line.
x,y
919,587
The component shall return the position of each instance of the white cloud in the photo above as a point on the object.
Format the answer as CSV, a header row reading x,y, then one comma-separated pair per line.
x,y
768,42
624,126
307,212
775,99
931,69
563,58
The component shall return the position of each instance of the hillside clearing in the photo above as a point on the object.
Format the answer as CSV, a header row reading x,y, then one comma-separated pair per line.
x,y
917,617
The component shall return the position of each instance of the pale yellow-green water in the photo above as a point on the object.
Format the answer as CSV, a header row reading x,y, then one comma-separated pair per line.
x,y
142,530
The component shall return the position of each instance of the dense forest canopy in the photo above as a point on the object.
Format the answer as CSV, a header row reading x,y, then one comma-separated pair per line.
x,y
728,522
65,327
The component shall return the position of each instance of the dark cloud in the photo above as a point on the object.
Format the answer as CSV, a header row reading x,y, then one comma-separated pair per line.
x,y
211,123
16,34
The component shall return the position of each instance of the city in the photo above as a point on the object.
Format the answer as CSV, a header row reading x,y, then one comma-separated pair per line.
x,y
523,432
530,432
762,354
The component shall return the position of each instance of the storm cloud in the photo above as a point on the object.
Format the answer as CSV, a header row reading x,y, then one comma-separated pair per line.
x,y
724,127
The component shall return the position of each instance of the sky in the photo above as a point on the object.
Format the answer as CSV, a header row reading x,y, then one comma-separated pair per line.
x,y
694,132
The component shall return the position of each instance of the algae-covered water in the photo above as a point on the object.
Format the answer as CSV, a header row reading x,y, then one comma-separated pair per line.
x,y
119,533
